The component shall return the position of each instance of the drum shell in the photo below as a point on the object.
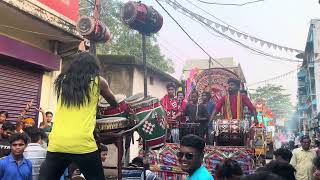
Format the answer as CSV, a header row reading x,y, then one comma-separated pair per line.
x,y
142,18
93,29
120,111
153,130
112,123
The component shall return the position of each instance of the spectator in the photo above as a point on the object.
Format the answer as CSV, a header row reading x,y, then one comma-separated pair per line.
x,y
190,157
103,152
19,127
197,113
34,152
207,102
28,122
138,162
317,149
281,168
229,170
3,117
263,175
316,163
15,166
283,154
302,159
7,130
46,123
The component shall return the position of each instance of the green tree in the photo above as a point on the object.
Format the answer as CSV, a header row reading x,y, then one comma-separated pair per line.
x,y
125,41
275,98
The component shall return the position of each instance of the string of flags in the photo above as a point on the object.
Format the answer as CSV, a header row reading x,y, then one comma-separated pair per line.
x,y
231,30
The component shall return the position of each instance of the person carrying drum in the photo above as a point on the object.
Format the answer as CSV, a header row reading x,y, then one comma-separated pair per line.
x,y
71,139
233,103
170,105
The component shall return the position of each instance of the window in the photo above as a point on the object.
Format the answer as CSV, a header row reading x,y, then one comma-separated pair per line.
x,y
151,80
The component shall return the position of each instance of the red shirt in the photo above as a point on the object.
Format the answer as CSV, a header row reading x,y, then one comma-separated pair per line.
x,y
170,106
245,101
181,107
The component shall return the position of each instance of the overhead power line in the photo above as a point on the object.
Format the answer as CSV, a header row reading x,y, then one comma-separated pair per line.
x,y
227,27
189,36
230,4
205,21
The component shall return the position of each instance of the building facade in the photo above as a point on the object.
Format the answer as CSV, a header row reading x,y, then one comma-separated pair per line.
x,y
309,82
125,76
35,36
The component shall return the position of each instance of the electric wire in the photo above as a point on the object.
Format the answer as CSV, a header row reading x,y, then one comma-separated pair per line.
x,y
230,4
189,36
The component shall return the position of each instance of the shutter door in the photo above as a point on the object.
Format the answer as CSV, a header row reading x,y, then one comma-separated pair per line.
x,y
19,84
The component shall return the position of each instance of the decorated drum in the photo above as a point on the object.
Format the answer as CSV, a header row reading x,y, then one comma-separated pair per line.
x,y
231,126
140,17
112,123
134,99
105,110
150,114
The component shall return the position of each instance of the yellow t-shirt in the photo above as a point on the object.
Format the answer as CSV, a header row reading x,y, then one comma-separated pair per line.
x,y
73,127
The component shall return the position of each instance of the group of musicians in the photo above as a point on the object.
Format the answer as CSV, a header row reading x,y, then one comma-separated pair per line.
x,y
191,117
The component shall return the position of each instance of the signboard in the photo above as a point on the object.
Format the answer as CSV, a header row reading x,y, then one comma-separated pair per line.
x,y
67,8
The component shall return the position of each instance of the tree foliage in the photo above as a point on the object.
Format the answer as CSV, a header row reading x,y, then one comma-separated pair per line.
x,y
125,41
275,99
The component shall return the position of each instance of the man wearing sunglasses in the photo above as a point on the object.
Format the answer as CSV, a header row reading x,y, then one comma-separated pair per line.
x,y
190,157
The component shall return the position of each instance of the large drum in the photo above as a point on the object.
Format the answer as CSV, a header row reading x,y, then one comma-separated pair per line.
x,y
231,132
149,113
105,110
112,123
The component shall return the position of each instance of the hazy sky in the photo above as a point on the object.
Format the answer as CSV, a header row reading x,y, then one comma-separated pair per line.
x,y
283,22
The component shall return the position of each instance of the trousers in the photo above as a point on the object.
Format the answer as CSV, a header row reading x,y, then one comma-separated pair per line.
x,y
55,164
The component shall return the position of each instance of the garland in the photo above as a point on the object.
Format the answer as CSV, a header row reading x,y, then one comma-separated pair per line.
x,y
227,103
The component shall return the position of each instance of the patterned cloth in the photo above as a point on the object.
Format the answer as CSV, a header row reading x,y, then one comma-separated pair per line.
x,y
234,105
166,162
170,106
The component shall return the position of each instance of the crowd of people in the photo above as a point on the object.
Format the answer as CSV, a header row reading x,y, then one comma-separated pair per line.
x,y
194,114
67,147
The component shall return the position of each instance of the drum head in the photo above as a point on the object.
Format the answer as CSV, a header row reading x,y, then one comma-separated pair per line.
x,y
119,98
145,101
111,119
135,98
78,177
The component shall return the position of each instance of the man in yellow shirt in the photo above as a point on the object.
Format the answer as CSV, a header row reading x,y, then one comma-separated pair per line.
x,y
302,159
71,139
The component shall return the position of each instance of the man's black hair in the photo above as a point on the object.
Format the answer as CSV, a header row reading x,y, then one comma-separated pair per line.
x,y
228,169
5,113
171,84
316,162
18,136
8,126
317,142
235,81
282,169
48,112
103,147
263,175
181,93
208,94
34,133
138,161
285,154
304,137
194,141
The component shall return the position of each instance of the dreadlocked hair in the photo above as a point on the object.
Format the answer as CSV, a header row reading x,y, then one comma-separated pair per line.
x,y
73,85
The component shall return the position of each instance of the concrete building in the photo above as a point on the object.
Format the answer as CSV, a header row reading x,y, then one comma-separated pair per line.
x,y
202,64
125,76
35,35
309,81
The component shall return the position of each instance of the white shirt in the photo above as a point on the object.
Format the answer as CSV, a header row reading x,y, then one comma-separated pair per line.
x,y
36,154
